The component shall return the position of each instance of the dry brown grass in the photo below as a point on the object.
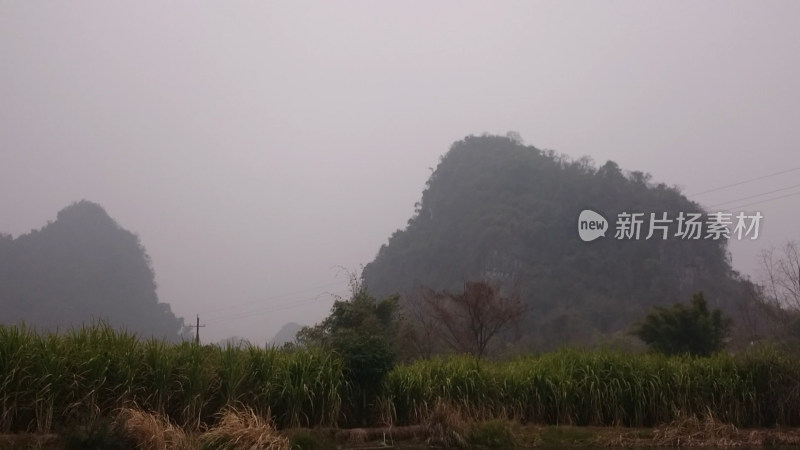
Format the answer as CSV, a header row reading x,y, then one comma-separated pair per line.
x,y
708,431
446,426
245,430
357,436
696,432
151,431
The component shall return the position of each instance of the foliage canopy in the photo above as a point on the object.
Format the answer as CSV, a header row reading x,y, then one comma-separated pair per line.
x,y
363,331
695,329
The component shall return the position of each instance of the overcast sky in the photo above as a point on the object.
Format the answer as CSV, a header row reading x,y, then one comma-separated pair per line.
x,y
259,147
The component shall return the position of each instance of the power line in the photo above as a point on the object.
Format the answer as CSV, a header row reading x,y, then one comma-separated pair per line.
x,y
197,329
278,307
743,182
756,195
734,208
261,300
265,311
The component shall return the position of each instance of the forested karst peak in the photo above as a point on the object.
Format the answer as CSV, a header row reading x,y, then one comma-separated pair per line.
x,y
494,208
80,268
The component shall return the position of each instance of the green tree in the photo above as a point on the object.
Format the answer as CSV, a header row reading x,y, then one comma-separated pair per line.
x,y
680,329
363,331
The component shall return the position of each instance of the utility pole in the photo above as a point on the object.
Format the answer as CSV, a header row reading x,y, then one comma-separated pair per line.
x,y
197,330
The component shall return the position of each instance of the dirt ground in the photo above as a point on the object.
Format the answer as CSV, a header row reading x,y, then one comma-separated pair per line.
x,y
691,432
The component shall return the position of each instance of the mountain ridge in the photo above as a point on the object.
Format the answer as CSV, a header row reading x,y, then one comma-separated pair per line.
x,y
495,208
80,268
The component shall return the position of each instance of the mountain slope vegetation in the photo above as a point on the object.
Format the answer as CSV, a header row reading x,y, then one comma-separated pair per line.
x,y
497,209
80,268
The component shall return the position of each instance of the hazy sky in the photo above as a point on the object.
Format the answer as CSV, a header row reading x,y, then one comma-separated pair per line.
x,y
257,147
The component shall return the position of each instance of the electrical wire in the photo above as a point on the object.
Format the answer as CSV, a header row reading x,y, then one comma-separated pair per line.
x,y
755,196
272,297
743,182
738,207
278,307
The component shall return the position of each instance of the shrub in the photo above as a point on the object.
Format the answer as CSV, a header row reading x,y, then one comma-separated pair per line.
x,y
304,440
493,434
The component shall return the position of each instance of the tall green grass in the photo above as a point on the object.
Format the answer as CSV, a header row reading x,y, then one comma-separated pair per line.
x,y
50,381
758,388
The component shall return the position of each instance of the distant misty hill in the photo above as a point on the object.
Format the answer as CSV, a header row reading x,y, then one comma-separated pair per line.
x,y
79,268
497,209
287,333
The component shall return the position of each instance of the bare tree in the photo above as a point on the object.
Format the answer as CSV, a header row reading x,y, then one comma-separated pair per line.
x,y
775,301
469,321
782,275
420,331
760,318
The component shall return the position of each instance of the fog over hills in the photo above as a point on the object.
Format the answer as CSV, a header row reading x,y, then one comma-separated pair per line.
x,y
257,148
80,268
